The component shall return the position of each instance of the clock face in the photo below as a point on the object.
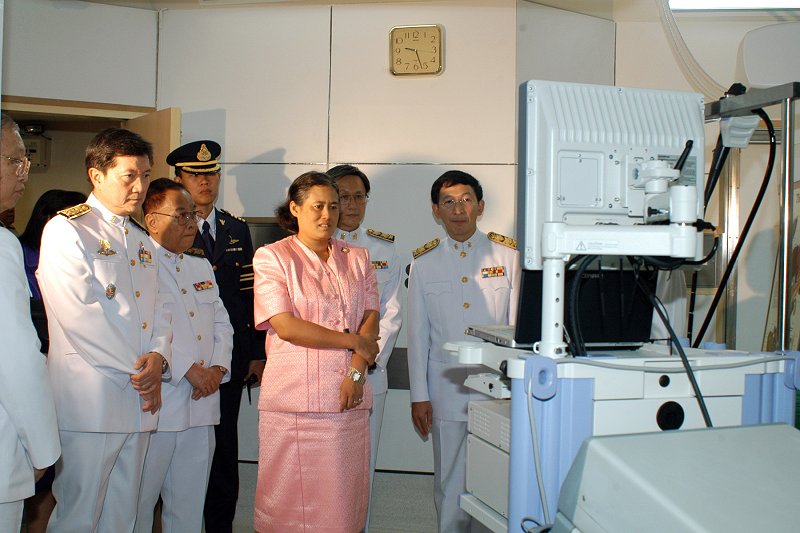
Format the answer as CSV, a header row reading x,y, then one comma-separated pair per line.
x,y
416,50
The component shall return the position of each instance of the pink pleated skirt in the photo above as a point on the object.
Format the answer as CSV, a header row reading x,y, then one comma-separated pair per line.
x,y
313,472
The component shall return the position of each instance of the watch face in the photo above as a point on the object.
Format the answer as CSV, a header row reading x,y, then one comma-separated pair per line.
x,y
416,50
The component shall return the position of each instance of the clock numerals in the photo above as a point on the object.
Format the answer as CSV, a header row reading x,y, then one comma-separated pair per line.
x,y
416,50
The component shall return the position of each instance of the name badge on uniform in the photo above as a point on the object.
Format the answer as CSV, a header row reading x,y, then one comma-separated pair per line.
x,y
380,265
203,285
145,257
104,248
493,272
111,290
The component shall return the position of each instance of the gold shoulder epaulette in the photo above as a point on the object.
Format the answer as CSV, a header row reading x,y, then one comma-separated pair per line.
x,y
138,225
502,239
380,235
240,219
425,248
75,211
195,252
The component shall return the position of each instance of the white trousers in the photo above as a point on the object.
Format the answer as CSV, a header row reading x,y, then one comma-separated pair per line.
x,y
450,474
177,467
97,482
11,515
375,423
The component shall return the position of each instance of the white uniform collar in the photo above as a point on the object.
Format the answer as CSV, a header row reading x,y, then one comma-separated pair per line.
x,y
465,247
354,235
105,214
169,257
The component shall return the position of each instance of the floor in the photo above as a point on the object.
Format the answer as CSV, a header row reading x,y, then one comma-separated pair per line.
x,y
402,503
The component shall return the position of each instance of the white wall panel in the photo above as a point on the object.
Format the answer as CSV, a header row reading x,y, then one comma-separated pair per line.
x,y
463,115
256,79
553,44
80,51
254,190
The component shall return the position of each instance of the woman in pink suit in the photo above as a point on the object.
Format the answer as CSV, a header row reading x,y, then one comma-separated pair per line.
x,y
317,298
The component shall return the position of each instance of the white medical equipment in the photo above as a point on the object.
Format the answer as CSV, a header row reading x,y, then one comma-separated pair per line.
x,y
596,177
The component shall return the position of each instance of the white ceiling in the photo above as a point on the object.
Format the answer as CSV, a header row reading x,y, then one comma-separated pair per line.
x,y
597,8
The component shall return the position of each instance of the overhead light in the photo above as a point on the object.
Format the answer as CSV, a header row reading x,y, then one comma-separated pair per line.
x,y
707,5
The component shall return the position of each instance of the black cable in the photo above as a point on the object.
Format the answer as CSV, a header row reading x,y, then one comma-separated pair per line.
x,y
684,155
659,308
745,230
579,347
692,302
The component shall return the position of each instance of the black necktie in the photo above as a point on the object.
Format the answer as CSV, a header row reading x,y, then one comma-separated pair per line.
x,y
207,238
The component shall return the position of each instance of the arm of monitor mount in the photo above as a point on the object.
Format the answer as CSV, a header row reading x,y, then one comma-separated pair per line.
x,y
559,241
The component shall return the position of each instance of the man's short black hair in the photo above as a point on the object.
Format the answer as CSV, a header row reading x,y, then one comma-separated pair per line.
x,y
455,177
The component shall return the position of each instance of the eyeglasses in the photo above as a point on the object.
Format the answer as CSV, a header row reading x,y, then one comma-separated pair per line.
x,y
451,203
182,218
23,165
360,199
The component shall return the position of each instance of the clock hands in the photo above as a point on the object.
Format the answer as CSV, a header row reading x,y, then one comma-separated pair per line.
x,y
415,51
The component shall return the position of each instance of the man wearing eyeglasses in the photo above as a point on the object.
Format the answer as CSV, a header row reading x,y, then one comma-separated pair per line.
x,y
466,277
109,338
28,430
354,190
179,457
225,241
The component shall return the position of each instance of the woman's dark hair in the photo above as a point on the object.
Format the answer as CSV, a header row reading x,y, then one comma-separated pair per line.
x,y
298,192
455,177
46,207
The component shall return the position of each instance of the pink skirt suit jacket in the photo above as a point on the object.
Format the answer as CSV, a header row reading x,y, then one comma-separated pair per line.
x,y
313,460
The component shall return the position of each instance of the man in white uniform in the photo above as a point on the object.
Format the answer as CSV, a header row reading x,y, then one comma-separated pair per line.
x,y
354,190
467,277
109,338
28,430
179,457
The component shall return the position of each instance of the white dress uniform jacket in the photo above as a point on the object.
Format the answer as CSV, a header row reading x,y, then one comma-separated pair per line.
x,y
202,334
99,280
383,255
28,430
453,285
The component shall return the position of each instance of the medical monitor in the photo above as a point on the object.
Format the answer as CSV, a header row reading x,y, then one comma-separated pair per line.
x,y
582,149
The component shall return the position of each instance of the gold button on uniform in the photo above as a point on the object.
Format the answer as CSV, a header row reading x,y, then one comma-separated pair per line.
x,y
466,305
183,291
177,269
191,314
464,279
144,325
126,231
199,337
202,362
463,254
214,268
138,294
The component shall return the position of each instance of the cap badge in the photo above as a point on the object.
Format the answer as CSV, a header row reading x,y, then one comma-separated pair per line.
x,y
203,154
